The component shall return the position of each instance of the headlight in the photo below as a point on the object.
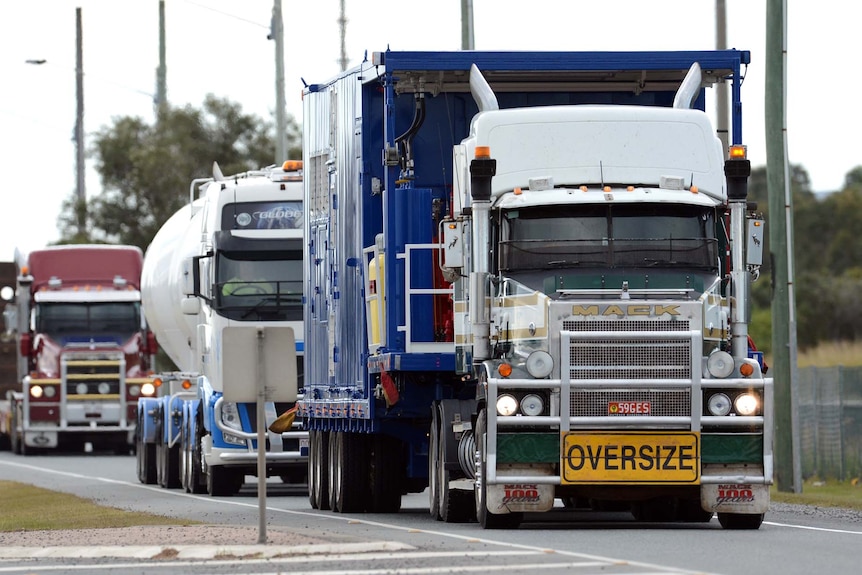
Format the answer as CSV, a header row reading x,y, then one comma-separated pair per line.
x,y
532,404
720,364
36,391
507,405
148,389
540,364
50,391
104,388
134,390
718,404
230,415
746,404
81,389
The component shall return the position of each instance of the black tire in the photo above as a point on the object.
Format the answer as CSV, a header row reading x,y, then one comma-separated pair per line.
x,y
168,466
433,473
223,481
318,469
196,483
740,521
384,474
454,505
146,457
348,459
691,511
16,441
487,519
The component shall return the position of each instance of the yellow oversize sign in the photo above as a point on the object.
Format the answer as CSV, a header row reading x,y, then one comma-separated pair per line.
x,y
633,457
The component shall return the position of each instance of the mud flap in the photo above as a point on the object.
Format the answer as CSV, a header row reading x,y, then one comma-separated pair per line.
x,y
735,498
520,497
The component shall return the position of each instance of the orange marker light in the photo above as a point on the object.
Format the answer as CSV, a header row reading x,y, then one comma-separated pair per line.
x,y
694,189
517,191
186,384
483,152
746,369
505,369
738,152
583,188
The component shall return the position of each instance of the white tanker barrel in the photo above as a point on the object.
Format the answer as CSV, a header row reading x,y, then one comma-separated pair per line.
x,y
162,286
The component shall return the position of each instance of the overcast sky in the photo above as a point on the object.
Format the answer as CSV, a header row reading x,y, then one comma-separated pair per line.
x,y
221,47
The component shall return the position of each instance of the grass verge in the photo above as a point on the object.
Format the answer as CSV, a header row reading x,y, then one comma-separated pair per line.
x,y
27,508
847,494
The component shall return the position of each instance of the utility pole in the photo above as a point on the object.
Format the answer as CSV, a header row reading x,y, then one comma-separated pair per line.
x,y
467,38
277,33
787,465
342,26
722,111
162,70
80,191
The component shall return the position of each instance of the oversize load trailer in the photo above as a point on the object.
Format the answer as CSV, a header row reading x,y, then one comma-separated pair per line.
x,y
527,278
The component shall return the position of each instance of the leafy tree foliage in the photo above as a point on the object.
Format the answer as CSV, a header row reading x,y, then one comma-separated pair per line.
x,y
146,169
827,262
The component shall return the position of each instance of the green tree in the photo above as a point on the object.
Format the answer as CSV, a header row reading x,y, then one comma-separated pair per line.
x,y
146,169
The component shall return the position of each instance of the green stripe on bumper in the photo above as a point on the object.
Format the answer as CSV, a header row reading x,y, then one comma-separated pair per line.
x,y
528,448
731,448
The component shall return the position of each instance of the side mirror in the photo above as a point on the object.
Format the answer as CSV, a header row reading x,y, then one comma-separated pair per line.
x,y
190,306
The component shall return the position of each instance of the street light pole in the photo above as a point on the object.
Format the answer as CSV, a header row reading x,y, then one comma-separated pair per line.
x,y
80,190
277,34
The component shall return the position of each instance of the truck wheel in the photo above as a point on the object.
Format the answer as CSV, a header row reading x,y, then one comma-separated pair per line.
x,y
169,462
14,439
318,469
196,483
454,505
690,511
384,473
146,463
433,472
223,481
740,520
487,519
348,460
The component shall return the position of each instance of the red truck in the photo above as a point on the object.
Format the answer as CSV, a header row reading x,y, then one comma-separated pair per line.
x,y
84,353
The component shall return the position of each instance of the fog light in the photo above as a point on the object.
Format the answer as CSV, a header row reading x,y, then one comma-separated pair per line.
x,y
104,388
746,404
532,404
81,389
50,391
720,364
507,405
719,404
540,364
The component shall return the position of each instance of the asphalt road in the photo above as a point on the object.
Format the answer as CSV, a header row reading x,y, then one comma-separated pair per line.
x,y
792,540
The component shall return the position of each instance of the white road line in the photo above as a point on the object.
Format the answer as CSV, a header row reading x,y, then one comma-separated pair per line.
x,y
337,517
823,529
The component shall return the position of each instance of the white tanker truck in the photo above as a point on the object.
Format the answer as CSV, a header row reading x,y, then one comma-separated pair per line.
x,y
222,289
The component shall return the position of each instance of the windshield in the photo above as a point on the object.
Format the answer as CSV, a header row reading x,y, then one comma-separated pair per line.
x,y
69,322
268,287
612,236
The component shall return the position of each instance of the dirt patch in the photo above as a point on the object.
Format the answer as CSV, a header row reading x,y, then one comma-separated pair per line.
x,y
156,535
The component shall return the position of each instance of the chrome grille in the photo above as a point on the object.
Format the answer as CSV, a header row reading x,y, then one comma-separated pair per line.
x,y
663,402
628,357
91,371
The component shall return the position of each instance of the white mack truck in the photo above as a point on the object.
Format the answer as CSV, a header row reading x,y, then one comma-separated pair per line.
x,y
587,340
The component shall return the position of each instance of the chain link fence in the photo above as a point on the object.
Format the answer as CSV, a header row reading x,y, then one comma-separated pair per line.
x,y
830,422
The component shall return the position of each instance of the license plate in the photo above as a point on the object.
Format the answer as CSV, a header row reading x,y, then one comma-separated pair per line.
x,y
629,407
634,457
